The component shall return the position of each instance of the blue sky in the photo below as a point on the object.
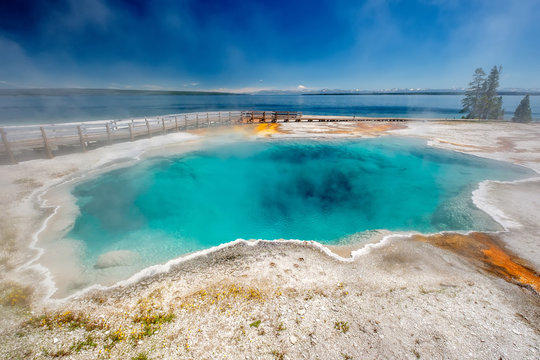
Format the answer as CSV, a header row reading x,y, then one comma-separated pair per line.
x,y
267,44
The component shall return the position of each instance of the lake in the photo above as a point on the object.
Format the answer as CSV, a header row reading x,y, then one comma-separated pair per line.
x,y
34,109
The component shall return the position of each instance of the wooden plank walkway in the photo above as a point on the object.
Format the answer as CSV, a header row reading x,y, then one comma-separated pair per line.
x,y
35,141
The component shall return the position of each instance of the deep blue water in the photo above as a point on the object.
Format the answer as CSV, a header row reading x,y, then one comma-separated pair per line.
x,y
33,109
309,190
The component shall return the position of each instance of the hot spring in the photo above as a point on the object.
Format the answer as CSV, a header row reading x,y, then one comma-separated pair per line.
x,y
327,191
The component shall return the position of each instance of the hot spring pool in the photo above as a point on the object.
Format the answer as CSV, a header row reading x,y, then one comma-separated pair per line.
x,y
326,191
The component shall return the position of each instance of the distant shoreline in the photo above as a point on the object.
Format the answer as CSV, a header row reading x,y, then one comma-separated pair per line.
x,y
101,92
139,92
505,93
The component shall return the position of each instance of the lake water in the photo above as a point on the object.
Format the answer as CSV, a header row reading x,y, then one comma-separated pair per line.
x,y
33,109
328,191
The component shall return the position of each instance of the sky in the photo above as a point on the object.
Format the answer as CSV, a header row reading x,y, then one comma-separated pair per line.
x,y
244,45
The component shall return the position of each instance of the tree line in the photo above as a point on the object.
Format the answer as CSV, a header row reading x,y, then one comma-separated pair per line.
x,y
482,102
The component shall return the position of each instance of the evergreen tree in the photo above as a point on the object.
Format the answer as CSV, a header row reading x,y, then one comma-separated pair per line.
x,y
481,100
491,103
471,102
523,111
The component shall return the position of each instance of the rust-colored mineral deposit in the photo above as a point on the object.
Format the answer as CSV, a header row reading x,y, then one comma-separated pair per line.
x,y
488,252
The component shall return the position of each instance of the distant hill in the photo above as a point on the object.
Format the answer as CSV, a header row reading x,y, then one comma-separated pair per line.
x,y
532,92
399,92
125,92
96,92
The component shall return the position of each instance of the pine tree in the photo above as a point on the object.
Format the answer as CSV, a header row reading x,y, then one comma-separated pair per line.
x,y
473,95
491,104
523,111
481,100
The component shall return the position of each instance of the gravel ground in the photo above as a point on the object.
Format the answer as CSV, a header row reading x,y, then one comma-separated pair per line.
x,y
278,300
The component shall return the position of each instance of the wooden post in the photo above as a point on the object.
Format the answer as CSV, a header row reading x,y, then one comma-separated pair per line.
x,y
252,116
288,116
109,141
46,143
130,126
176,123
163,124
197,117
185,121
8,147
230,117
148,127
81,138
207,120
219,118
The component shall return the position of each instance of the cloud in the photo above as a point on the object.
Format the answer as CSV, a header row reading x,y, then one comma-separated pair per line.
x,y
501,33
152,87
14,62
87,12
301,87
8,85
241,90
237,43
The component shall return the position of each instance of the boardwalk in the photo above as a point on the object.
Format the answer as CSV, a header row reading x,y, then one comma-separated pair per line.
x,y
37,141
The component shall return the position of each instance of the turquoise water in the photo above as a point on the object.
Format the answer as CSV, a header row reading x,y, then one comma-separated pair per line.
x,y
309,190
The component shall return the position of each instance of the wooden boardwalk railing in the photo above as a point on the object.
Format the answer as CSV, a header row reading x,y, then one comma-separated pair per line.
x,y
31,141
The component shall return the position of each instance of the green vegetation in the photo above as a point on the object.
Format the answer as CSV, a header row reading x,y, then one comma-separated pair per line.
x,y
278,355
481,100
86,343
60,353
150,315
140,356
15,295
150,320
255,324
341,326
67,319
523,111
